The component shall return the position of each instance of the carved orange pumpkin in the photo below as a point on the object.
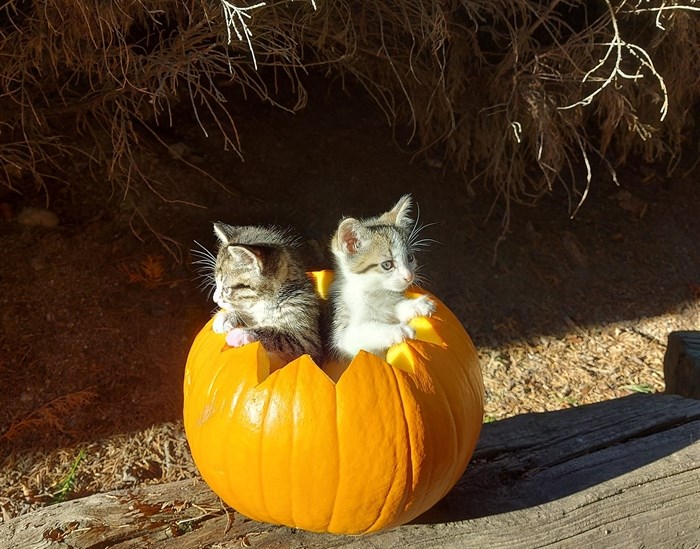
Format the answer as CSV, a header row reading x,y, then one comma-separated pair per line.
x,y
338,450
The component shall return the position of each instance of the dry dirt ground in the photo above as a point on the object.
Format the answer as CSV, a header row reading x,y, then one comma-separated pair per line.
x,y
97,316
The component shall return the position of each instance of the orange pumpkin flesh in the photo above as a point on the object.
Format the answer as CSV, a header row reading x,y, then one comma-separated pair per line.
x,y
371,450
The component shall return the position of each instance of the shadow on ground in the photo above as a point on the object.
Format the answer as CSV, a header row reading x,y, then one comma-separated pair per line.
x,y
535,459
73,321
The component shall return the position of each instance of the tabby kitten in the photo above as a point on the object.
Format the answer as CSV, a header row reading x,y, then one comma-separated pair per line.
x,y
375,264
264,293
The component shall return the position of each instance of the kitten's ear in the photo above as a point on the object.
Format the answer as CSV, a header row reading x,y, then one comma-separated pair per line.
x,y
224,232
349,236
247,256
400,214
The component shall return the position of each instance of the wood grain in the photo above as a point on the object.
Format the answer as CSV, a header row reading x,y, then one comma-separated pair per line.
x,y
622,473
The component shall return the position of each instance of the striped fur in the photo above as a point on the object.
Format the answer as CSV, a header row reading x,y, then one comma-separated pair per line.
x,y
264,292
375,264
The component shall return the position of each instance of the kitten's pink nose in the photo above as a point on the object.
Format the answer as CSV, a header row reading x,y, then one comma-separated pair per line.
x,y
408,276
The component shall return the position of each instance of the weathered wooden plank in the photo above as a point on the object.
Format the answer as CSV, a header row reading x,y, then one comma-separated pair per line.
x,y
620,473
682,364
621,419
536,445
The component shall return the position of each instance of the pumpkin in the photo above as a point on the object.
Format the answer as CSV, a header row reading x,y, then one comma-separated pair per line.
x,y
342,449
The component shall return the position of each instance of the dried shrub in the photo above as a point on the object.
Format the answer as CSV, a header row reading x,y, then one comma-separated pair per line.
x,y
512,92
49,416
149,272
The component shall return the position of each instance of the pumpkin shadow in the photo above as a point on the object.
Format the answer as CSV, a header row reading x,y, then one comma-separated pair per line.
x,y
536,459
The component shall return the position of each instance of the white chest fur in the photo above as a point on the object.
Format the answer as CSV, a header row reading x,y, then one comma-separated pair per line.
x,y
378,318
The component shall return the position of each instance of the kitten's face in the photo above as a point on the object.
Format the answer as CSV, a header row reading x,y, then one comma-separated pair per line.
x,y
246,274
238,279
384,260
377,250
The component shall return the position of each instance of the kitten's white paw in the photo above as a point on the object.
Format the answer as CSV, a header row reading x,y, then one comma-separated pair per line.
x,y
424,306
225,321
219,325
411,308
400,333
239,337
408,331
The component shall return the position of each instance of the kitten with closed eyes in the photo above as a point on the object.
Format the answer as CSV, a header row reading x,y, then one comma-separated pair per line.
x,y
375,264
264,293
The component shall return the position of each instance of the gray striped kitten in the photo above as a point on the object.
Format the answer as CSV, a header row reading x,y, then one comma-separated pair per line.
x,y
264,292
375,264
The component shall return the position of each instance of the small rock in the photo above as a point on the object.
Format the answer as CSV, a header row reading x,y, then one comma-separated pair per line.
x,y
179,150
631,203
38,217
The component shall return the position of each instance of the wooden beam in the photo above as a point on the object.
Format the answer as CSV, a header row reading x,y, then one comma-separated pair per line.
x,y
619,473
682,364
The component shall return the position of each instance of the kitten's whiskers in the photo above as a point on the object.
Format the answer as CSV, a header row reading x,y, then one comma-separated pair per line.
x,y
205,267
415,243
421,279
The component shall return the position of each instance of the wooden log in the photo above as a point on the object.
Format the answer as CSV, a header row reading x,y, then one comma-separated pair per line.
x,y
619,473
682,364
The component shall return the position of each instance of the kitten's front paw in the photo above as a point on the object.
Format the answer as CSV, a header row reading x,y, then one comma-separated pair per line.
x,y
219,325
225,321
402,332
411,308
239,337
408,331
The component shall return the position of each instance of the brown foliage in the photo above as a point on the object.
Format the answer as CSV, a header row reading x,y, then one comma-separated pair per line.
x,y
149,272
51,415
492,87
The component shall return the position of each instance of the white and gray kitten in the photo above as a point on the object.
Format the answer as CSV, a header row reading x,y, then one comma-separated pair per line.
x,y
375,264
264,293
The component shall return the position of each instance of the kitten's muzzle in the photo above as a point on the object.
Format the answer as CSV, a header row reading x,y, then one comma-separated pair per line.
x,y
408,277
224,305
219,299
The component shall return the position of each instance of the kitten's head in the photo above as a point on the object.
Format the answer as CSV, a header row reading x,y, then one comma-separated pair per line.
x,y
251,265
378,249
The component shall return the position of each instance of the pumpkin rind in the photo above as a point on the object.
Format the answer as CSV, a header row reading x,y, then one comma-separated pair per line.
x,y
372,451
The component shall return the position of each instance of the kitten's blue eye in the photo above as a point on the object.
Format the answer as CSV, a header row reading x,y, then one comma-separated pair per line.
x,y
411,258
387,265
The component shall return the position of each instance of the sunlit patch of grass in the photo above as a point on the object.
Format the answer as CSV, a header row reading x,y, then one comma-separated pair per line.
x,y
570,401
639,388
65,486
